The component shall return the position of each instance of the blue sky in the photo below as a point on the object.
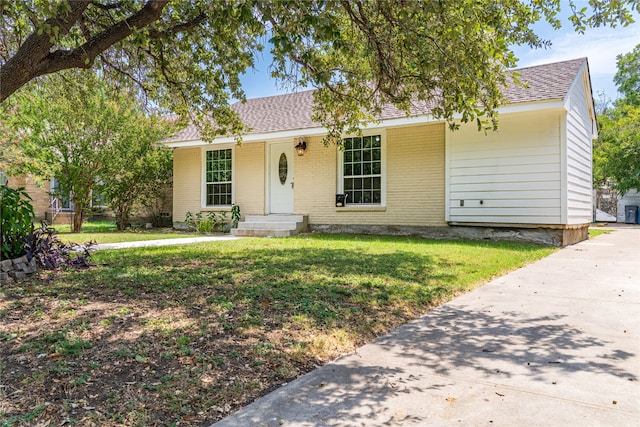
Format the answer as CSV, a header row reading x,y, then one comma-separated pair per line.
x,y
599,45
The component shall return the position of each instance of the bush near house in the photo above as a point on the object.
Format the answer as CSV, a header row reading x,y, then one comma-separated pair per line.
x,y
16,219
19,236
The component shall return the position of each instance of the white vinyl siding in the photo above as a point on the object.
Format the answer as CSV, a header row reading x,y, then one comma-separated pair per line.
x,y
511,176
579,145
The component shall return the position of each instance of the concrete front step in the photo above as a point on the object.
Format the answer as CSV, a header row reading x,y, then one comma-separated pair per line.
x,y
274,218
261,233
271,225
263,225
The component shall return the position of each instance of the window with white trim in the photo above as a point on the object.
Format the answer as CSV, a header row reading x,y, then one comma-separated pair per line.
x,y
218,177
362,169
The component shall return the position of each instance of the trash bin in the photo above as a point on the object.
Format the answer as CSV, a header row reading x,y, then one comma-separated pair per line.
x,y
631,214
341,200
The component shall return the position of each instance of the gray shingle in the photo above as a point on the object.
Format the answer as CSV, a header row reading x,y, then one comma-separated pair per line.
x,y
293,111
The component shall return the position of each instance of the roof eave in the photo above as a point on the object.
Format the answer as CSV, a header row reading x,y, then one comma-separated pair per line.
x,y
549,104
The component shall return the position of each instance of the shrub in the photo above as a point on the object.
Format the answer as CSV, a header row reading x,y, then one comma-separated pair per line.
x,y
51,253
235,215
212,221
16,221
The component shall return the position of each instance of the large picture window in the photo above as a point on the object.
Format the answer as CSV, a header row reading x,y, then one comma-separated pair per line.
x,y
362,169
218,177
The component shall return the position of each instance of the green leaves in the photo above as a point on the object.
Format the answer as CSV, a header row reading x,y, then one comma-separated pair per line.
x,y
628,76
187,56
616,154
617,151
77,128
16,218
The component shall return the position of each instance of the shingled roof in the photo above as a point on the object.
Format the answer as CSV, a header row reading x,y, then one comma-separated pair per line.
x,y
293,111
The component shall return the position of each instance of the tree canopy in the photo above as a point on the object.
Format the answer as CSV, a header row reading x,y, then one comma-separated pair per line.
x,y
627,79
186,56
616,154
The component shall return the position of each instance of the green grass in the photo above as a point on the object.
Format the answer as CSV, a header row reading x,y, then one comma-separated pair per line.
x,y
327,281
107,232
222,322
595,232
89,227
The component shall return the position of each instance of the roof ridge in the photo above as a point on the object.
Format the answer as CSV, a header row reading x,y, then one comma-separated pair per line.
x,y
546,64
295,92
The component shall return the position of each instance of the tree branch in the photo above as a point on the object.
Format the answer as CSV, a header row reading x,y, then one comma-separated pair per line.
x,y
107,6
19,69
83,56
34,58
114,67
178,28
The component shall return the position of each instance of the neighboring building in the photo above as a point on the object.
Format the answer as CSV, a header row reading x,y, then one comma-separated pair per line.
x,y
530,180
631,198
47,203
55,208
605,201
40,199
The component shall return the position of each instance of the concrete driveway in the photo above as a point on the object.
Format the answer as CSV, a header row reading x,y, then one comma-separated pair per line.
x,y
556,343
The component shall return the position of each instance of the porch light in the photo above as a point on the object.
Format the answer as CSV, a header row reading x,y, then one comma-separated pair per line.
x,y
301,146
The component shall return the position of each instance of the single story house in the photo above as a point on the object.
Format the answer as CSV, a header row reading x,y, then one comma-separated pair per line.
x,y
529,180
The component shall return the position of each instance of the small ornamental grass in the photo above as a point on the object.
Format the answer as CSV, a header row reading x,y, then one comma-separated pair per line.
x,y
187,334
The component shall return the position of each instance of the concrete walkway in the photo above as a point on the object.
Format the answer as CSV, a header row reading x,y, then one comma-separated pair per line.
x,y
163,242
556,343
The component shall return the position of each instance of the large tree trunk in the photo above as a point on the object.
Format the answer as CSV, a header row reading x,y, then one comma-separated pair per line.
x,y
78,219
122,216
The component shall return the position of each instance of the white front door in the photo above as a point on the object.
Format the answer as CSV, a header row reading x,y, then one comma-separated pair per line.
x,y
281,178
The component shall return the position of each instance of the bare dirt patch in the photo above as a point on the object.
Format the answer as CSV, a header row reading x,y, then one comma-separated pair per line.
x,y
100,359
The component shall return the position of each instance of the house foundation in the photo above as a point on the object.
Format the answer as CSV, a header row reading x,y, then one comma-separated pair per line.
x,y
550,235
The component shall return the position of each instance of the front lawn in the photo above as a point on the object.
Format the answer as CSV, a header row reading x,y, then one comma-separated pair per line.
x,y
184,335
107,232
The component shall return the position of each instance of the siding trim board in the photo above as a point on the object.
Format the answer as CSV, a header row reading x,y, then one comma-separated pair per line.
x,y
447,175
579,122
563,167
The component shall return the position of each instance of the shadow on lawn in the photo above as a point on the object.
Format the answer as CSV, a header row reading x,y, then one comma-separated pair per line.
x,y
491,349
230,303
296,280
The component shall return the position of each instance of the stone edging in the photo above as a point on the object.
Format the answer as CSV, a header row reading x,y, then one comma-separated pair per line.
x,y
16,269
